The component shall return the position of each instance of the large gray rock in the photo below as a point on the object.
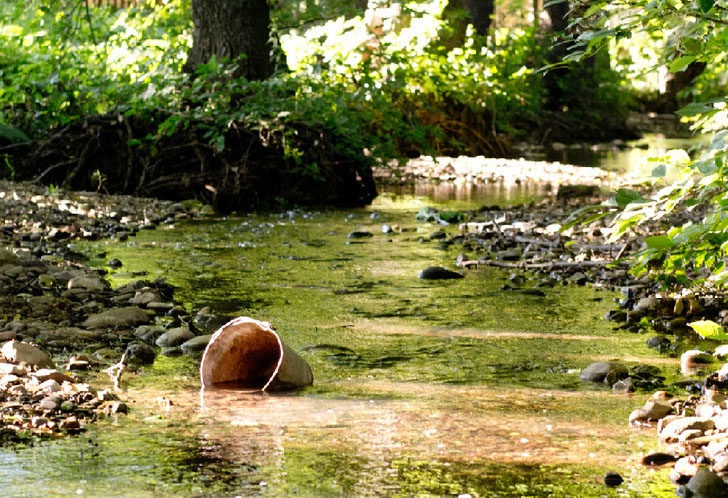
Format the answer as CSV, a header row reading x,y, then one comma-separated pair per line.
x,y
174,337
117,317
653,410
604,371
196,345
707,484
22,353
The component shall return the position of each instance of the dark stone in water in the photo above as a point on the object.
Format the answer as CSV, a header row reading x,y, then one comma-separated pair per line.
x,y
658,342
137,352
359,235
114,263
612,479
658,458
438,273
615,316
438,235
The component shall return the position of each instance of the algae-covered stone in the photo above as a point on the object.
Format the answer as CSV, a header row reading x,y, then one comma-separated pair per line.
x,y
117,317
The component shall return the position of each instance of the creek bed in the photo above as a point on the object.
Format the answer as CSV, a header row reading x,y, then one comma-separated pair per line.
x,y
421,388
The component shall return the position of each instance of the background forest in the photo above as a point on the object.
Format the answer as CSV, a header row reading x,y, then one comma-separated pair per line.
x,y
100,95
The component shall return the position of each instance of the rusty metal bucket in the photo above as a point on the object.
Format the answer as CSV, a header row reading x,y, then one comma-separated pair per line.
x,y
248,354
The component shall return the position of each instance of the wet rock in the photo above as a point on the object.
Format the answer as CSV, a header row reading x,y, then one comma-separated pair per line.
x,y
359,234
22,353
438,273
50,403
694,359
508,255
174,337
196,345
52,374
604,371
652,410
644,305
119,407
658,342
114,263
148,333
88,283
623,386
615,316
707,484
439,235
117,317
171,351
145,297
721,351
657,459
612,479
578,278
672,431
140,353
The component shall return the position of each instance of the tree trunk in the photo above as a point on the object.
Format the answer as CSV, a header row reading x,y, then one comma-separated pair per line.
x,y
459,13
230,28
481,12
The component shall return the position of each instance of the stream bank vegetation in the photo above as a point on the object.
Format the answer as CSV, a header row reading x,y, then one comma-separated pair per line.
x,y
102,98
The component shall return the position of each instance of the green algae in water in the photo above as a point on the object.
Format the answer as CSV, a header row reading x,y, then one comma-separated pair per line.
x,y
372,331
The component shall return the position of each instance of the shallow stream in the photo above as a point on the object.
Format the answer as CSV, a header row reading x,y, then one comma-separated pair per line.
x,y
421,388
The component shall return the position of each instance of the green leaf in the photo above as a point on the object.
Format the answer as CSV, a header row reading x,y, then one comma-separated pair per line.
x,y
626,196
705,5
12,134
708,329
681,63
659,171
659,242
695,108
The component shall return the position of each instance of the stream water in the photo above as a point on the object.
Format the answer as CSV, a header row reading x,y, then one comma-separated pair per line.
x,y
446,388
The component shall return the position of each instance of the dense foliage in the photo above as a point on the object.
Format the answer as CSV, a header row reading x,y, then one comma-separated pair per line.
x,y
381,96
690,191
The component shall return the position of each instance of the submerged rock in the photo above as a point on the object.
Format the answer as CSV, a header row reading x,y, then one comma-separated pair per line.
x,y
174,337
196,345
438,273
604,371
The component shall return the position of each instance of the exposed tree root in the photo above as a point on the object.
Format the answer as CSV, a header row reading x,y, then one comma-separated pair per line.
x,y
123,155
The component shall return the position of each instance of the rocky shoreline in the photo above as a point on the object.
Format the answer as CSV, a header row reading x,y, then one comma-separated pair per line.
x,y
60,322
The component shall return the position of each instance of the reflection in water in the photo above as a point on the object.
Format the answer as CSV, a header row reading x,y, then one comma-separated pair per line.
x,y
422,388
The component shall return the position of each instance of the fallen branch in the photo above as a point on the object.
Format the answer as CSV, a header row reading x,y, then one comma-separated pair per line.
x,y
541,266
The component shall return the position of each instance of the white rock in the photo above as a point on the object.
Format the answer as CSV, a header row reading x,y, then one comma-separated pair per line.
x,y
22,353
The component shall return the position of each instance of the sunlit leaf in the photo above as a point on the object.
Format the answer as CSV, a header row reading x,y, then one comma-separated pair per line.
x,y
659,242
626,196
708,329
681,63
695,108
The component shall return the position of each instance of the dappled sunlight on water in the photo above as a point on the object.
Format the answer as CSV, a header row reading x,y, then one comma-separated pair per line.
x,y
420,388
